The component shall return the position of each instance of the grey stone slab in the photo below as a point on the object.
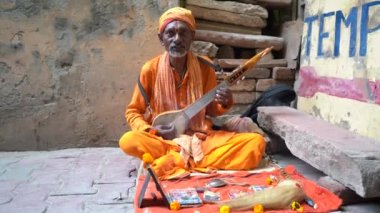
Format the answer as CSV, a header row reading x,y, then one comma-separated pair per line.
x,y
65,204
5,162
351,159
37,208
4,198
75,188
59,164
76,183
124,208
67,153
46,177
119,193
118,159
115,177
29,195
118,169
16,174
7,186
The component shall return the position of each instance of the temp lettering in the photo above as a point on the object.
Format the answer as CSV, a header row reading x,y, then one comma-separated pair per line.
x,y
350,21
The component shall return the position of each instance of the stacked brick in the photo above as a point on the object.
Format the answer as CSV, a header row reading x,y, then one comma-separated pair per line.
x,y
231,32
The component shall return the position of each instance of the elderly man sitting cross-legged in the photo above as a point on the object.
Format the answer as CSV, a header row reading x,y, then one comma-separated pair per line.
x,y
172,81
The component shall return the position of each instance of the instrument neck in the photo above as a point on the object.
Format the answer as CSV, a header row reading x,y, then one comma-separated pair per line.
x,y
206,99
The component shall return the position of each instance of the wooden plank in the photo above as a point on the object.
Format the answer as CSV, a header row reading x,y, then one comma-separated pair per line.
x,y
233,63
223,27
227,17
240,40
268,3
230,6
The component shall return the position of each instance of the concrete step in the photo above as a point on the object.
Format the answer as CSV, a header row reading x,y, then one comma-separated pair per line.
x,y
351,201
351,159
239,40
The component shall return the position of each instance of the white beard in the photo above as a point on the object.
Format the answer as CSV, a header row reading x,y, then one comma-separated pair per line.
x,y
175,54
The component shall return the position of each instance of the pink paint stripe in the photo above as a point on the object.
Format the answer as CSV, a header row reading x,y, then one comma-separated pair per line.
x,y
343,88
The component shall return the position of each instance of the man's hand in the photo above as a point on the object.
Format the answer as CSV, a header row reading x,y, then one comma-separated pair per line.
x,y
223,96
167,132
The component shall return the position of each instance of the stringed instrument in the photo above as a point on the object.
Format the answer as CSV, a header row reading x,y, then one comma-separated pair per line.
x,y
180,118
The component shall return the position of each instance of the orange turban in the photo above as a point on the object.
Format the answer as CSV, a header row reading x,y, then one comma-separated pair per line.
x,y
179,14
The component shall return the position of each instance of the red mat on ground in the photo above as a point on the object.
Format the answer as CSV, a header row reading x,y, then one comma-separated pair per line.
x,y
326,201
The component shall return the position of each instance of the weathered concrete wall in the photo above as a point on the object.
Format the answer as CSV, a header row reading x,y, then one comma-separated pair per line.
x,y
68,68
339,79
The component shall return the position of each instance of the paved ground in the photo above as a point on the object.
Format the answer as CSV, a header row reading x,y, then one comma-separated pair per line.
x,y
90,180
71,180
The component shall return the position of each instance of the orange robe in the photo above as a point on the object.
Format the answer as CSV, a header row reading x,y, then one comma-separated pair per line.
x,y
221,149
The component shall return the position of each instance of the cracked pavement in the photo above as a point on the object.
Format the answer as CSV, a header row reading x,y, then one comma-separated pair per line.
x,y
68,180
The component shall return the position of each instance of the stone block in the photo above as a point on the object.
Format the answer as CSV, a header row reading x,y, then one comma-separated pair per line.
x,y
267,57
258,94
283,73
246,85
289,83
351,159
291,31
237,109
204,48
243,97
253,73
225,51
258,73
244,53
264,84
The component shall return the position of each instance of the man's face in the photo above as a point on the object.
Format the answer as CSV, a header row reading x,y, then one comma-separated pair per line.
x,y
176,38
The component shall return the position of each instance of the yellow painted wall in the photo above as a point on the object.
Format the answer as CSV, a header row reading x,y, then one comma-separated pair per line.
x,y
358,115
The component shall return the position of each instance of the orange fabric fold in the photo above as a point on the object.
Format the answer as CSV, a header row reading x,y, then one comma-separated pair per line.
x,y
176,13
240,151
165,97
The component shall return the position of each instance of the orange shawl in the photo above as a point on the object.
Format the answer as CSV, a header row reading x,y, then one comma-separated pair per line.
x,y
165,88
